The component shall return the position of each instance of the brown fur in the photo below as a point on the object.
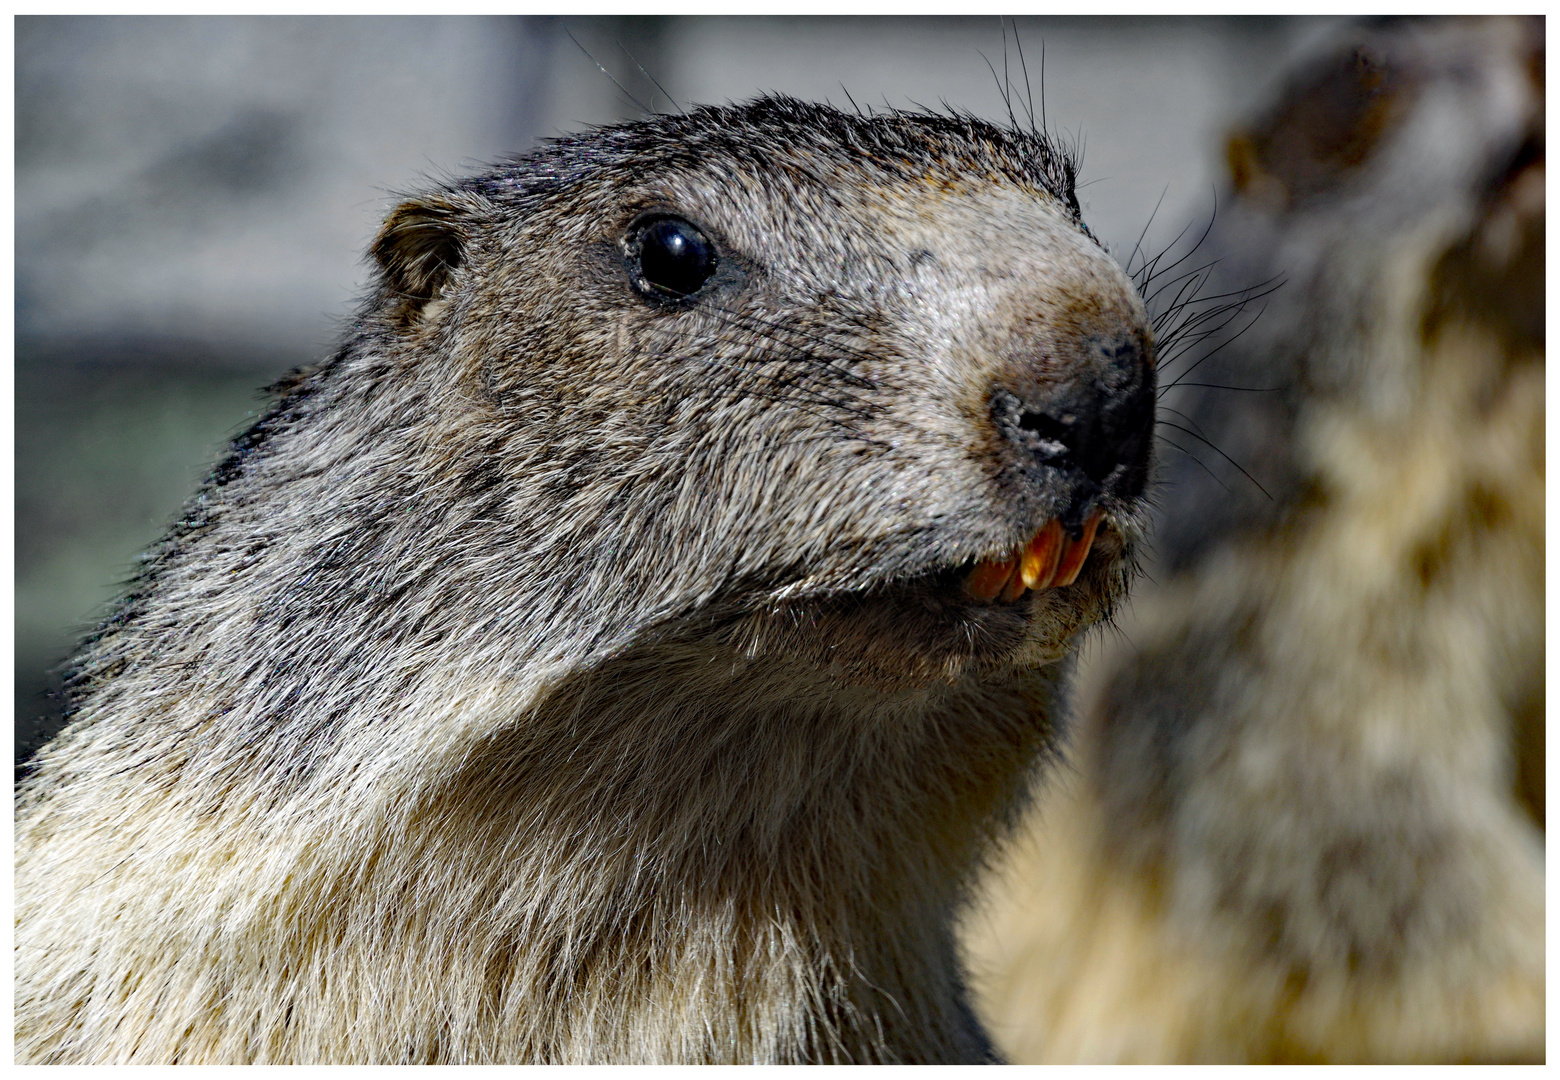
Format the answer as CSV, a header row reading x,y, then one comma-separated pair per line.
x,y
1300,826
566,674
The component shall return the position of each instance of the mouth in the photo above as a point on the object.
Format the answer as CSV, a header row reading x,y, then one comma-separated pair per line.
x,y
1050,559
943,623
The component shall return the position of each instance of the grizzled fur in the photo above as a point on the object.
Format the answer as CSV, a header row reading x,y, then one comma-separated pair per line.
x,y
562,675
1304,823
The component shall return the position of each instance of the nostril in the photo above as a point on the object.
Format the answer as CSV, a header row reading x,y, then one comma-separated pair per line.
x,y
1053,435
1054,430
1086,433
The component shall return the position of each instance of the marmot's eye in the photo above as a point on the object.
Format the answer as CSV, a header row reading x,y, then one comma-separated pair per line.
x,y
672,257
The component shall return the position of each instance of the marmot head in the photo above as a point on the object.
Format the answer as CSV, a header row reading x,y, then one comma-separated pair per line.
x,y
852,388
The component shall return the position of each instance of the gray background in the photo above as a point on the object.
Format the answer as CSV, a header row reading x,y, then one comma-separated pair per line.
x,y
193,196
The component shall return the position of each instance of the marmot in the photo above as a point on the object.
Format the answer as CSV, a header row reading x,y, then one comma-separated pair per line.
x,y
627,647
1309,784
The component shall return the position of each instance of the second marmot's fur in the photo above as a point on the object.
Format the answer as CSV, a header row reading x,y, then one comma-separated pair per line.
x,y
628,645
1303,827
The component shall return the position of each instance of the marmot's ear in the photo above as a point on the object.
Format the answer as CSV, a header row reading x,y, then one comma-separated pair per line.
x,y
418,246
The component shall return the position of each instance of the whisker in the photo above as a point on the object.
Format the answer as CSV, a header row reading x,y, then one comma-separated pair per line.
x,y
1186,334
1218,348
1001,88
1197,460
1029,94
1222,386
1221,453
1185,296
1183,416
652,78
642,106
1138,247
1143,284
1242,294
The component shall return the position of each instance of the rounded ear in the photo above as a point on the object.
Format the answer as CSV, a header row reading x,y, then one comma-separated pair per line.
x,y
419,245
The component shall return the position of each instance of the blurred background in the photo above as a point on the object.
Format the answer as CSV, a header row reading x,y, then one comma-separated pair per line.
x,y
193,196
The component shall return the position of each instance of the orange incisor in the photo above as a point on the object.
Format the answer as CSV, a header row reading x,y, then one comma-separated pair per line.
x,y
1049,559
1043,554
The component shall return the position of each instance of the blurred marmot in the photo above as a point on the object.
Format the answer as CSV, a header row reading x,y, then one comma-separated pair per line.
x,y
1306,819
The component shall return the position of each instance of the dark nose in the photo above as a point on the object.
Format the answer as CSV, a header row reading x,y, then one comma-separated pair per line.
x,y
1083,431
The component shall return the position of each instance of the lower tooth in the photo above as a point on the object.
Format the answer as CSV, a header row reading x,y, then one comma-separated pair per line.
x,y
1015,584
1076,552
989,578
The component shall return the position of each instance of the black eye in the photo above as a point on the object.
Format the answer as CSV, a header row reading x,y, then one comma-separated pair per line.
x,y
674,258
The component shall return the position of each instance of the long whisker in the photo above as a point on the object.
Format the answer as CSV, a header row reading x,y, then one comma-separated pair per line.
x,y
1222,386
1195,459
1138,247
1029,94
1221,453
1191,331
1001,84
642,106
1157,273
652,78
1183,416
1217,349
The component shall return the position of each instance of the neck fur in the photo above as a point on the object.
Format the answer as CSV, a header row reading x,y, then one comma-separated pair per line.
x,y
679,854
